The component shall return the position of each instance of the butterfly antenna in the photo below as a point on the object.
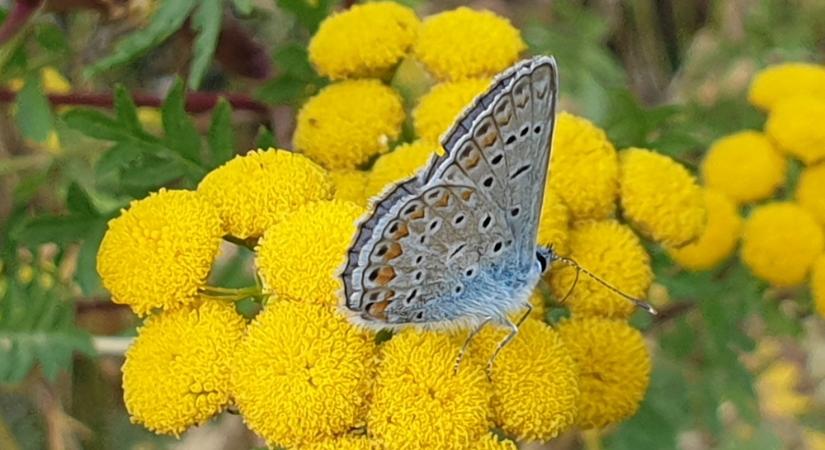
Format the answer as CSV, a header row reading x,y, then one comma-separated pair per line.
x,y
572,286
639,303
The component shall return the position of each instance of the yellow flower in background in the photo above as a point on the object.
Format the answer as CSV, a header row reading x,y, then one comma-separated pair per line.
x,y
176,373
814,440
400,164
364,41
614,366
780,242
612,251
439,108
535,381
777,389
420,403
554,224
159,251
347,442
350,185
719,238
660,198
302,374
348,123
491,442
810,191
584,169
776,83
745,166
818,285
795,124
299,257
258,190
52,80
464,43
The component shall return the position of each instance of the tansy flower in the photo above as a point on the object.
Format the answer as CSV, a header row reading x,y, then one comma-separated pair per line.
x,y
614,367
439,108
810,191
535,381
160,250
302,373
176,373
348,123
581,151
364,41
717,240
818,285
255,191
347,442
554,224
53,82
745,166
403,162
350,185
780,241
463,43
298,258
777,388
491,442
795,124
660,197
814,440
611,251
420,403
775,83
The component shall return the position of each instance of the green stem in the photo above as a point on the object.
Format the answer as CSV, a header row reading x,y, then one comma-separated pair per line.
x,y
231,294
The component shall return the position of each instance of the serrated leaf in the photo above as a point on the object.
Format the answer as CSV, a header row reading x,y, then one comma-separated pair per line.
x,y
206,21
181,135
118,155
221,135
57,229
34,115
149,174
96,124
78,201
168,18
126,111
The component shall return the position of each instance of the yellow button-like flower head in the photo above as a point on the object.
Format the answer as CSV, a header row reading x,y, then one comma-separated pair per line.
x,y
611,251
718,240
350,185
302,374
255,191
364,41
780,242
810,191
440,107
745,166
463,43
403,162
818,285
491,442
176,373
614,367
584,168
160,250
661,198
299,257
775,83
420,403
554,224
347,442
348,123
796,126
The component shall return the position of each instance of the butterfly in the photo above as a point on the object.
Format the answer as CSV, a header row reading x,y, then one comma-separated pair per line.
x,y
455,245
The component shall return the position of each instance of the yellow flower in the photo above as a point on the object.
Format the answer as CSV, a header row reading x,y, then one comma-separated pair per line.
x,y
776,387
350,185
439,108
780,242
302,374
53,82
718,239
810,191
535,381
348,123
491,442
463,43
745,166
818,285
258,190
298,258
660,197
159,251
176,373
400,164
814,440
795,125
612,251
347,442
775,83
584,169
364,41
554,224
614,367
420,403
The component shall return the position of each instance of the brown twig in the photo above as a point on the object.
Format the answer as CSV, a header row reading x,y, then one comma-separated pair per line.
x,y
21,12
672,312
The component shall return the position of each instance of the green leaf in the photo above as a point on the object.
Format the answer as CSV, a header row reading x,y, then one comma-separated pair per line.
x,y
96,124
34,115
181,135
221,135
79,202
126,111
169,17
283,90
243,7
309,14
265,138
118,155
51,38
150,173
87,276
57,229
206,21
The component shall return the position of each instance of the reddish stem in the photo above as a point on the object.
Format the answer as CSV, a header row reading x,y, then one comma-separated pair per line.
x,y
21,12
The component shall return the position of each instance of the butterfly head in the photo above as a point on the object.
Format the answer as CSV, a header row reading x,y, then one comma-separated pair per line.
x,y
545,256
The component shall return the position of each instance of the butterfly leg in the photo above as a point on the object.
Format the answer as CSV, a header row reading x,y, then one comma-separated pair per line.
x,y
513,332
467,343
